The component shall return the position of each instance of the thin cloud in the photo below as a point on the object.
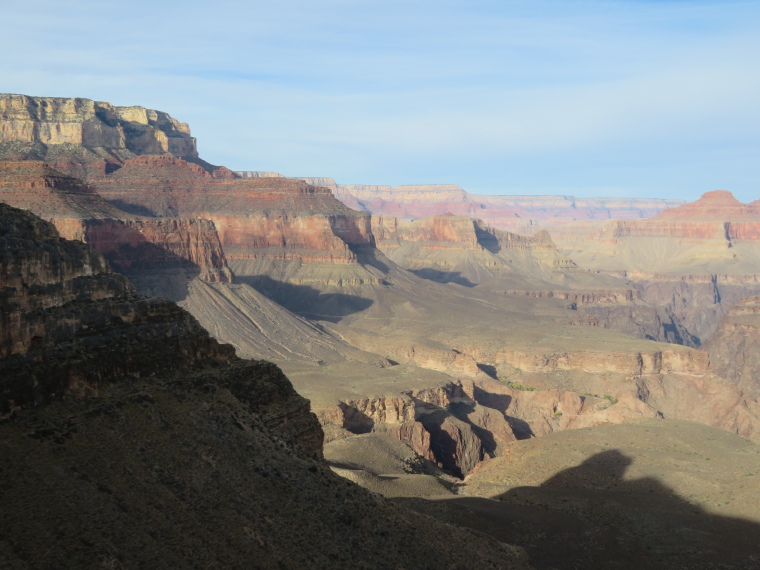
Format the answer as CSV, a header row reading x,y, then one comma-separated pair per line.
x,y
424,90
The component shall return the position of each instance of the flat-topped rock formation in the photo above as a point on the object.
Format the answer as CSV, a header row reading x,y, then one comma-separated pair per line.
x,y
86,138
463,250
94,125
570,207
717,205
280,218
411,201
258,174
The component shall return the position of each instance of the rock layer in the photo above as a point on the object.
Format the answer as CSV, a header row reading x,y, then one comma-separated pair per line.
x,y
734,349
503,212
144,248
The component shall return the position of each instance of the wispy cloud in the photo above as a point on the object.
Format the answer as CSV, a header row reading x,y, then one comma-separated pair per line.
x,y
493,95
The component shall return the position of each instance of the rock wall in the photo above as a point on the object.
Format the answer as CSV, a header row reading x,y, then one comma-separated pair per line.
x,y
503,212
278,218
135,245
97,126
734,349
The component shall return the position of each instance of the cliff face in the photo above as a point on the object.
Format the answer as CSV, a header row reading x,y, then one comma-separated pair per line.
x,y
69,325
277,218
138,246
503,212
446,241
39,271
74,131
734,349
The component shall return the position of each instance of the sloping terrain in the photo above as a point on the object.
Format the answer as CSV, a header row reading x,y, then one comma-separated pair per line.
x,y
652,494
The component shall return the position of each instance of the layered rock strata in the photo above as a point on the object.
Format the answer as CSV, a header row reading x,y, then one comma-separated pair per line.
x,y
260,221
69,324
503,212
696,260
734,347
86,138
144,248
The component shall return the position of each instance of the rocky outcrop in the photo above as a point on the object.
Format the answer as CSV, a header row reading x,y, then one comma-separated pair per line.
x,y
83,136
734,349
146,249
717,205
92,124
461,424
39,271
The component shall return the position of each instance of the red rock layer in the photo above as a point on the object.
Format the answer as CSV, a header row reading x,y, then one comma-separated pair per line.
x,y
255,217
718,205
438,231
128,242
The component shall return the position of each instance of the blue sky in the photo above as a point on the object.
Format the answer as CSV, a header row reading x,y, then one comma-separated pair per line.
x,y
584,97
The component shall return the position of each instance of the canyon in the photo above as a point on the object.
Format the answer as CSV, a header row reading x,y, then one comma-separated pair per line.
x,y
110,378
504,212
430,339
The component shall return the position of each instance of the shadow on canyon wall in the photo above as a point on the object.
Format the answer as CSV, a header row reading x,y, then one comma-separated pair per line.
x,y
443,276
153,270
590,516
307,301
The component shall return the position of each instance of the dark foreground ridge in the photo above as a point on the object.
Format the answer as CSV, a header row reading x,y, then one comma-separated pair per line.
x,y
131,439
592,516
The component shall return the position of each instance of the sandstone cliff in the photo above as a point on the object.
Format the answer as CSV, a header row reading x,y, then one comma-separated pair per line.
x,y
84,137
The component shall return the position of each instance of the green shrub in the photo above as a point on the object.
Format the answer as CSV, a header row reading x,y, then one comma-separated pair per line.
x,y
517,386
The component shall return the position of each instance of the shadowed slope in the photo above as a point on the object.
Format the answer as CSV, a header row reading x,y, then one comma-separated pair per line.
x,y
658,494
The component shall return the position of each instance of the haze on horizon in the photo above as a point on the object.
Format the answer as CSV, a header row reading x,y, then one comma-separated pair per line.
x,y
590,98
